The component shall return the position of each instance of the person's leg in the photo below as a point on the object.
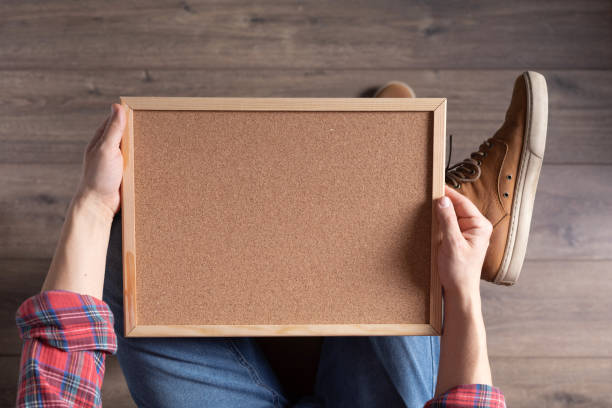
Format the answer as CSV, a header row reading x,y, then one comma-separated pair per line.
x,y
187,372
378,371
501,177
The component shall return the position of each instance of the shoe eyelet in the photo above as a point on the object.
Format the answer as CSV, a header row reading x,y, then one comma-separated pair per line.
x,y
509,176
458,186
479,162
484,154
488,144
506,195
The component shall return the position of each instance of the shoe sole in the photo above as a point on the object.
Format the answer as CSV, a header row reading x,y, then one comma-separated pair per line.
x,y
532,155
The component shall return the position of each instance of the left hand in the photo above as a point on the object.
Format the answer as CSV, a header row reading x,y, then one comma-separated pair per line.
x,y
103,165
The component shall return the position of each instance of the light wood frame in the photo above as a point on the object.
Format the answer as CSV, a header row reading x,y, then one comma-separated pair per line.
x,y
435,105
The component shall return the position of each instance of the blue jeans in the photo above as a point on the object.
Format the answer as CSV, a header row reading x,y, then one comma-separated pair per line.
x,y
233,372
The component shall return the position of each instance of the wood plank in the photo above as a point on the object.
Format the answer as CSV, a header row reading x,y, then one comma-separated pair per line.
x,y
554,382
572,215
114,389
436,303
48,116
19,279
56,91
314,34
285,104
558,308
282,330
115,392
534,318
34,201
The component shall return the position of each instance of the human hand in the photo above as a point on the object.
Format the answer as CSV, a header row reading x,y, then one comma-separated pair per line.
x,y
465,239
103,166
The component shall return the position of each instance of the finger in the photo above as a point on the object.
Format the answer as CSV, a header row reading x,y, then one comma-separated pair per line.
x,y
470,220
447,219
463,206
105,127
99,132
102,127
114,129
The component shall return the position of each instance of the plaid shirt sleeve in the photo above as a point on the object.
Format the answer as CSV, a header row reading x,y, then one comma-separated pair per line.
x,y
469,396
66,337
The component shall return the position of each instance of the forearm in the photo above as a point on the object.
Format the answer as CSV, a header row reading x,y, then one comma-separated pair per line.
x,y
463,353
80,256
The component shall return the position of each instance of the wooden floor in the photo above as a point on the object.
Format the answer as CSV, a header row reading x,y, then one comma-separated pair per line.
x,y
62,63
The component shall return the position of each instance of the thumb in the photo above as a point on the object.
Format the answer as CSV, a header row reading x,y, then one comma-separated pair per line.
x,y
447,219
114,128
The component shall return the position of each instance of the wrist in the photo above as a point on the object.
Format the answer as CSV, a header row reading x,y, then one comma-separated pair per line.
x,y
89,205
466,303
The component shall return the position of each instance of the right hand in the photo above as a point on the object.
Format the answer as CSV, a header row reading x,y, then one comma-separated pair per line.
x,y
465,239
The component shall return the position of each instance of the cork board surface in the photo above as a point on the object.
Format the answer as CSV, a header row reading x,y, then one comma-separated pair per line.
x,y
282,217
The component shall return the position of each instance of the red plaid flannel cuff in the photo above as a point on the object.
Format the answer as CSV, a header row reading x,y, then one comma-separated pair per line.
x,y
67,321
469,396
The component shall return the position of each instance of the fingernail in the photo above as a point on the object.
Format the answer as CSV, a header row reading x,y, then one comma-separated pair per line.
x,y
112,110
444,202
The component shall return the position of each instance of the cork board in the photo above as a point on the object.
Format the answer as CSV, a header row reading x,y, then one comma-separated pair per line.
x,y
272,217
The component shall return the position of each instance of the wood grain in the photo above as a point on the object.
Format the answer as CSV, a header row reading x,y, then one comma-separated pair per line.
x,y
572,209
37,196
558,308
554,382
280,330
315,34
19,279
61,65
439,148
48,116
128,217
285,104
568,223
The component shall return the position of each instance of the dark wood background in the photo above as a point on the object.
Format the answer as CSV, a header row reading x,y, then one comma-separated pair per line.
x,y
62,63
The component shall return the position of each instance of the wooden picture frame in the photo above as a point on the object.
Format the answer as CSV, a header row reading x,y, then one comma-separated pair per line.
x,y
436,106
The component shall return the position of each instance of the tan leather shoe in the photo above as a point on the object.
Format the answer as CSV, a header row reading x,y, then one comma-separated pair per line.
x,y
502,176
395,89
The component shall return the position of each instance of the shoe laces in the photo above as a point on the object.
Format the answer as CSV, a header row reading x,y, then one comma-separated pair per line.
x,y
468,170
